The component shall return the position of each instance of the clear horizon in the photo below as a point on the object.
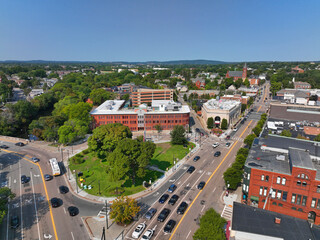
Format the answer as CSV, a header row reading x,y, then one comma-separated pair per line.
x,y
140,31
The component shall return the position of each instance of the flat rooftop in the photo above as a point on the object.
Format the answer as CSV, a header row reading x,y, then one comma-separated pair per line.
x,y
222,104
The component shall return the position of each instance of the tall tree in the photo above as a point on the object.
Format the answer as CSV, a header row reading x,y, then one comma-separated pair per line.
x,y
98,96
5,195
224,124
210,123
178,135
124,209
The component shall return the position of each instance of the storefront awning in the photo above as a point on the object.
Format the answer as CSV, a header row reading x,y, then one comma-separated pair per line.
x,y
254,198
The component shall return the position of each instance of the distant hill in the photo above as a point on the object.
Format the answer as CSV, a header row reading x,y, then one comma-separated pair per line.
x,y
174,62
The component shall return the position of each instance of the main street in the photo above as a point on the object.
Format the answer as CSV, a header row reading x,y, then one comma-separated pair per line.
x,y
209,169
31,203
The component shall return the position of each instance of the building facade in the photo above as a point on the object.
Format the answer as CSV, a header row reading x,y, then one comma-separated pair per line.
x,y
146,96
238,74
220,109
283,175
167,114
301,85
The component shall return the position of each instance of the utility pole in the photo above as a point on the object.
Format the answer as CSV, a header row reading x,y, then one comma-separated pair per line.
x,y
103,237
107,223
61,149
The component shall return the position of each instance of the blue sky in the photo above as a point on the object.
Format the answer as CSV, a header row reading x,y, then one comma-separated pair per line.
x,y
146,30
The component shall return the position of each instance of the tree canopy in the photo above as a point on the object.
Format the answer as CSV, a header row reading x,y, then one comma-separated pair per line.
x,y
178,135
124,209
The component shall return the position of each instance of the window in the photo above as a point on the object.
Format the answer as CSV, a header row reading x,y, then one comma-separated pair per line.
x,y
280,205
302,175
262,177
248,176
299,176
313,202
243,187
284,196
248,188
293,199
274,203
298,183
267,178
307,177
273,194
318,189
298,199
304,200
265,191
260,192
279,194
304,184
284,181
318,205
294,208
278,180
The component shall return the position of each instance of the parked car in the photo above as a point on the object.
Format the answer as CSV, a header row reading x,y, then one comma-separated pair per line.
x,y
173,199
47,177
197,130
14,222
150,213
73,211
63,189
169,226
201,185
182,208
139,230
235,129
196,158
148,234
20,144
228,137
215,145
217,153
55,202
163,198
34,159
172,188
163,215
228,144
4,146
24,179
191,169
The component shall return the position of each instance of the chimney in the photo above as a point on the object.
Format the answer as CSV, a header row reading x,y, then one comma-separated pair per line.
x,y
277,220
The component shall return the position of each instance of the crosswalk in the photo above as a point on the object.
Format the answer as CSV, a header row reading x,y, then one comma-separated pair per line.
x,y
227,212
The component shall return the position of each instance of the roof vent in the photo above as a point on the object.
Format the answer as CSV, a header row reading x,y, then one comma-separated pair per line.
x,y
280,157
277,220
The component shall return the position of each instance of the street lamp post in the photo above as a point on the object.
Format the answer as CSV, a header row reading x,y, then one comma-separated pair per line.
x,y
75,175
68,164
107,223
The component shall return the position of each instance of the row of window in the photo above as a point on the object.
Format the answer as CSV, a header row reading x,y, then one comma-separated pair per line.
x,y
279,179
298,199
169,121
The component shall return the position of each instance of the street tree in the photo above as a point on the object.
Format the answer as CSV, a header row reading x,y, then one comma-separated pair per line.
x,y
105,138
257,130
224,124
249,139
124,209
178,135
210,123
232,176
317,138
211,227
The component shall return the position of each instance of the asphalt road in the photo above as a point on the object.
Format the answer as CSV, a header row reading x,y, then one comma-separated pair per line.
x,y
209,169
31,201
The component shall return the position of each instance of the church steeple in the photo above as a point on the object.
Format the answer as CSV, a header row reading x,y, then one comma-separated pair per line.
x,y
244,71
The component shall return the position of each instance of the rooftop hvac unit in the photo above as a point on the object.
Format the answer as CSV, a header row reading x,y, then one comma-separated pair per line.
x,y
280,157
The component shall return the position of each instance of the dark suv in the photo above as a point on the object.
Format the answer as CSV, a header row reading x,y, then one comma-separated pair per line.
x,y
182,208
191,169
163,198
163,215
150,213
173,199
196,158
169,226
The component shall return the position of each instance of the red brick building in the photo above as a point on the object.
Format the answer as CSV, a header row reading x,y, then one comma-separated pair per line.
x,y
297,70
301,85
199,82
238,74
283,175
165,113
144,95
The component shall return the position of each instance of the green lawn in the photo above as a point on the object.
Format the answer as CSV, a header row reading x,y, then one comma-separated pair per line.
x,y
165,153
94,173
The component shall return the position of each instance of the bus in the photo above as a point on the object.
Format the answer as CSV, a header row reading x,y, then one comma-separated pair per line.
x,y
55,167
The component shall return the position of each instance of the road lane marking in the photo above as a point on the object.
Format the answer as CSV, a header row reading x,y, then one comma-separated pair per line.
x,y
9,181
8,219
188,234
64,209
45,188
214,189
72,236
21,202
203,207
35,205
225,157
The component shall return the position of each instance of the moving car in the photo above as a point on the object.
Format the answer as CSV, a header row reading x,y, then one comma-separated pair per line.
x,y
163,215
24,179
172,188
55,202
217,153
163,198
215,145
197,130
173,199
182,208
47,177
139,230
20,144
148,234
34,159
196,158
201,185
228,144
73,211
191,169
150,213
63,189
4,146
235,129
14,222
169,226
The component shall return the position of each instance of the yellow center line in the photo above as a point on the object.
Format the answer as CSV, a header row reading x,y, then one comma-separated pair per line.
x,y
208,181
45,189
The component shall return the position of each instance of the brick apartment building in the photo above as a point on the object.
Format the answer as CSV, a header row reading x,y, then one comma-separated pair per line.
x,y
166,113
146,96
301,85
283,175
